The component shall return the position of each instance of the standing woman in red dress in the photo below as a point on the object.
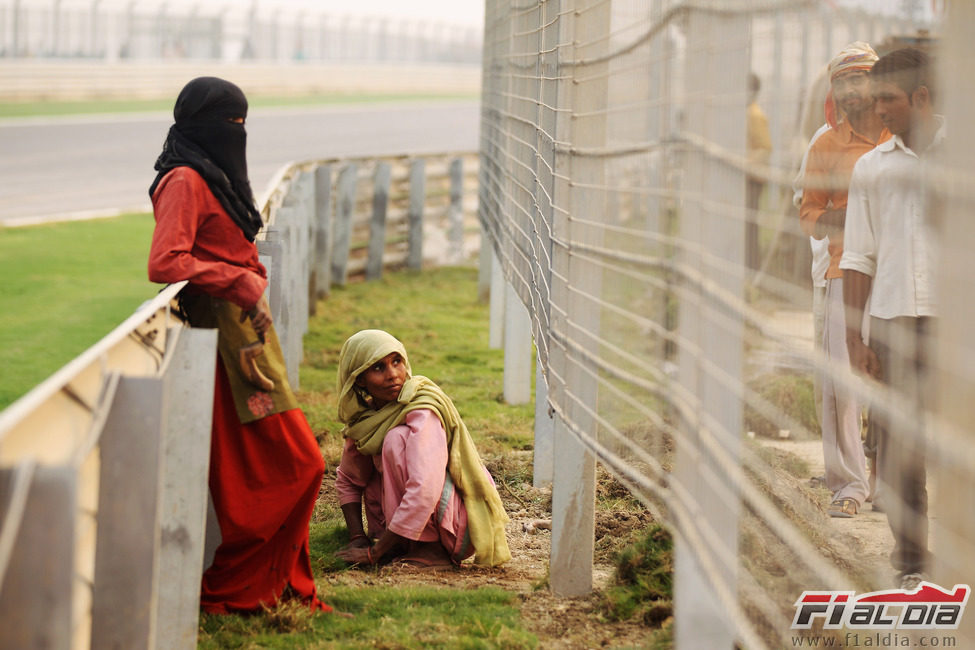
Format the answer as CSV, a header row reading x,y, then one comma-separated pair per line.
x,y
265,465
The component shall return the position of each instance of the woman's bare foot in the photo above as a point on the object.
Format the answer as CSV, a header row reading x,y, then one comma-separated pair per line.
x,y
427,555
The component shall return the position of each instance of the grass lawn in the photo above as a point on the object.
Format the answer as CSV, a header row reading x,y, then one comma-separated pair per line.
x,y
65,286
412,616
445,330
436,315
69,284
85,107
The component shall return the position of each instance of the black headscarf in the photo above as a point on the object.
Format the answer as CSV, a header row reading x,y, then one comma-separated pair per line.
x,y
205,139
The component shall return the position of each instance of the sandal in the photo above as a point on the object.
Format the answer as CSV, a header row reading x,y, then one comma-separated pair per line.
x,y
844,508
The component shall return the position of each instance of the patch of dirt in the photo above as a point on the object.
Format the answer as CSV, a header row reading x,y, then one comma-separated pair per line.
x,y
874,541
557,622
772,574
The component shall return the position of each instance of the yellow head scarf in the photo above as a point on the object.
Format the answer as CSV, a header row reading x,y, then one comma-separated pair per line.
x,y
368,427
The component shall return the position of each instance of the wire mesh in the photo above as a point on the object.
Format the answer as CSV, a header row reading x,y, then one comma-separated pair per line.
x,y
671,287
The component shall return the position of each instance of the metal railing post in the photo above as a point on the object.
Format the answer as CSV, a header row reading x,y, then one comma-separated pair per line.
x,y
188,380
42,565
455,213
712,343
517,349
414,218
345,205
127,570
322,261
574,479
377,225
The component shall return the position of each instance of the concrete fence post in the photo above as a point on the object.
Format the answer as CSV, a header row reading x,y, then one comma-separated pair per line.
x,y
953,530
271,253
188,379
484,269
301,199
295,315
543,458
574,478
42,563
414,216
345,207
498,290
127,576
455,214
517,349
710,362
377,225
322,260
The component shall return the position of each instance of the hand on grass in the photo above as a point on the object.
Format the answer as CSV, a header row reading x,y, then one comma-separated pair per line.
x,y
355,554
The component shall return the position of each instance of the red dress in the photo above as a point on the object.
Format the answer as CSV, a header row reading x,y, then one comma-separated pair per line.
x,y
264,475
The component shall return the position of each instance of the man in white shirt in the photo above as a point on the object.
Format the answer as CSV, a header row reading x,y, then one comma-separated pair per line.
x,y
889,255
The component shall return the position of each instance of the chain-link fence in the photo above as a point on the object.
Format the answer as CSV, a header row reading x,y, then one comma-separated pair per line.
x,y
671,295
246,31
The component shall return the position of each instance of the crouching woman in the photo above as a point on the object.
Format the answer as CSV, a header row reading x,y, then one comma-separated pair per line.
x,y
409,460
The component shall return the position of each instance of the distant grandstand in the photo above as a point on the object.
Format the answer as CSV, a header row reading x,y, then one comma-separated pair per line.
x,y
117,30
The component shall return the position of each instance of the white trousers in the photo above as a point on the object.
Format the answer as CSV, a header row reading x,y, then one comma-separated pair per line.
x,y
846,466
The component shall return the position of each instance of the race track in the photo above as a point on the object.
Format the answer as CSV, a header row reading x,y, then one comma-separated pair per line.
x,y
79,166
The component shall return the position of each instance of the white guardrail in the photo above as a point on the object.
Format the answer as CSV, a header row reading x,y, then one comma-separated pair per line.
x,y
91,461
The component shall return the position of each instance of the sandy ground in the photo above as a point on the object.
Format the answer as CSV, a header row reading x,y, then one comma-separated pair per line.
x,y
868,527
557,622
560,622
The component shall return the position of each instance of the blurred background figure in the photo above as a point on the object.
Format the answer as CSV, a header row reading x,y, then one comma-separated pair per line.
x,y
759,143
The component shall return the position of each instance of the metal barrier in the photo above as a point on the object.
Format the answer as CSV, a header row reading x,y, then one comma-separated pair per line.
x,y
613,179
103,467
332,219
103,483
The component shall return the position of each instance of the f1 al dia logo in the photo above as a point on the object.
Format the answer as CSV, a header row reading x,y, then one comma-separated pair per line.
x,y
928,607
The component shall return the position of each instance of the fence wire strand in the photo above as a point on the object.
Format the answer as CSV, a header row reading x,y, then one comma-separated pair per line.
x,y
675,307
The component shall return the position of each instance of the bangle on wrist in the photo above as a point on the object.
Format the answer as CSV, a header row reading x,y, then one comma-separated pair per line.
x,y
358,536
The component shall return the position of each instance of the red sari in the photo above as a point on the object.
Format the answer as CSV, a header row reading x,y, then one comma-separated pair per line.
x,y
264,480
264,475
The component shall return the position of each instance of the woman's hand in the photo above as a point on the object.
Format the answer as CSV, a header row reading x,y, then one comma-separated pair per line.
x,y
358,541
356,555
260,315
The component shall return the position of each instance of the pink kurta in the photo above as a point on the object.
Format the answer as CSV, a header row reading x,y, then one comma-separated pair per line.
x,y
403,488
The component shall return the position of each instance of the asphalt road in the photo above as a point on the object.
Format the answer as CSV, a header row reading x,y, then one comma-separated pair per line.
x,y
75,167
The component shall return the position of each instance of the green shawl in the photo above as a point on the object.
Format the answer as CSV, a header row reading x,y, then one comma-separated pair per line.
x,y
368,427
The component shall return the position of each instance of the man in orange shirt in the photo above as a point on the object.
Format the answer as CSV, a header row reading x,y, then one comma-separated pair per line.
x,y
822,214
759,147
